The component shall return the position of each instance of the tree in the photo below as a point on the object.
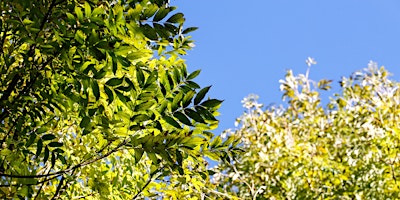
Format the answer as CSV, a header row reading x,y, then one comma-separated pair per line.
x,y
95,102
348,149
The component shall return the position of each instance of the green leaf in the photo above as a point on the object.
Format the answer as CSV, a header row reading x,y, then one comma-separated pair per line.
x,y
212,155
46,154
205,113
138,154
194,115
216,142
162,12
188,30
211,103
114,81
187,99
140,77
192,84
70,16
182,118
149,32
144,105
175,103
85,121
39,148
53,159
109,93
48,137
121,96
78,13
88,9
193,75
96,89
55,144
31,139
172,122
194,142
42,129
140,118
200,96
179,157
98,10
151,79
176,18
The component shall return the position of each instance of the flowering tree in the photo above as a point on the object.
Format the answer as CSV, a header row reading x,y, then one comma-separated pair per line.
x,y
348,149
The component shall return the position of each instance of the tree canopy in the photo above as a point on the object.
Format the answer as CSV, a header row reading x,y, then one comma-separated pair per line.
x,y
347,148
96,102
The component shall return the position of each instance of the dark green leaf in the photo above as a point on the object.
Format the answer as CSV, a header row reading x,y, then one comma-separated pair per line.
x,y
96,89
172,122
188,30
162,12
48,137
176,18
144,106
55,144
109,93
182,118
211,103
85,121
114,81
53,159
179,157
138,154
124,61
31,139
140,77
62,159
100,74
192,84
205,113
194,115
149,32
39,147
46,154
121,97
200,96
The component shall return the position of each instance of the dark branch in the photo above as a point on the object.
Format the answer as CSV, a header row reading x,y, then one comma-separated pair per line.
x,y
69,169
147,183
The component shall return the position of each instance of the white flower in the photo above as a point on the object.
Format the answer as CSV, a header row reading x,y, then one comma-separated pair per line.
x,y
310,61
372,65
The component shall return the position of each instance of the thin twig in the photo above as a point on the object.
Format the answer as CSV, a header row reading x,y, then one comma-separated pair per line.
x,y
147,183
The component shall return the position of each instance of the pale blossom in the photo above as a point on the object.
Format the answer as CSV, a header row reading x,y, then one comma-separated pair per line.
x,y
310,61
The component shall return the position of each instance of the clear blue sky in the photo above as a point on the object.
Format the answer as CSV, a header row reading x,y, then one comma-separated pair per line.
x,y
245,47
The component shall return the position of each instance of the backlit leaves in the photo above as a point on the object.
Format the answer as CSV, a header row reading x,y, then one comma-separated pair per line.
x,y
96,102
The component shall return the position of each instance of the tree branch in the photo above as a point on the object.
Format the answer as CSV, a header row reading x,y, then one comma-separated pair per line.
x,y
69,169
147,183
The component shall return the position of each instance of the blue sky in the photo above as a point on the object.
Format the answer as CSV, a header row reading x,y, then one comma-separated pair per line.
x,y
245,47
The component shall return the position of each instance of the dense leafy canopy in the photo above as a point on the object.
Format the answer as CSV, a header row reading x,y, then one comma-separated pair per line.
x,y
346,150
96,103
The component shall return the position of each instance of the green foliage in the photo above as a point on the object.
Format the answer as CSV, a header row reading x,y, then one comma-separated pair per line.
x,y
347,149
95,102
